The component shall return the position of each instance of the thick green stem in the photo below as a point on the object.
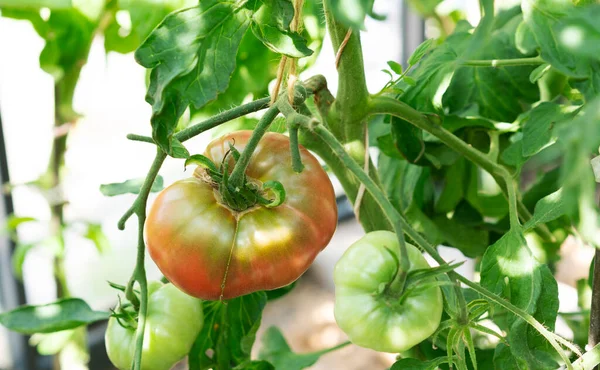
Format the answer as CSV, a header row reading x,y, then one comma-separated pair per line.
x,y
397,285
352,95
237,175
369,215
386,105
504,62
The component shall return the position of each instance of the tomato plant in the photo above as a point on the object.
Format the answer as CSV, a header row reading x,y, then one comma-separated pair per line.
x,y
366,308
212,250
173,322
484,137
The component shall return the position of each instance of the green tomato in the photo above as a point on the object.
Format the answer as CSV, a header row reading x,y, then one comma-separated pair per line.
x,y
173,322
366,312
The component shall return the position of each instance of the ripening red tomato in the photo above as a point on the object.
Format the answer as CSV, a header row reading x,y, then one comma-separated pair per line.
x,y
211,251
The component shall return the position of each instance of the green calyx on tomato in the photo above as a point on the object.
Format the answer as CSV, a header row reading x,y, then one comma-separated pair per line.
x,y
212,251
173,322
251,193
368,312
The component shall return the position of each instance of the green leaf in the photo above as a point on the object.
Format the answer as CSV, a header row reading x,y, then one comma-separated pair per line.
x,y
67,33
494,93
484,194
579,31
547,209
414,364
64,314
395,66
425,8
454,187
539,72
543,18
13,222
513,154
538,124
420,52
132,186
577,178
36,4
408,139
525,40
51,343
546,183
192,56
352,13
509,269
402,181
590,87
18,258
271,25
254,365
277,351
144,15
435,72
471,241
96,235
283,42
228,333
409,81
528,349
280,292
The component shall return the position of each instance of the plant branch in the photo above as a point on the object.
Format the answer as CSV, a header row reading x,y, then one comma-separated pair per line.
x,y
223,117
386,105
139,273
141,138
237,175
395,218
504,62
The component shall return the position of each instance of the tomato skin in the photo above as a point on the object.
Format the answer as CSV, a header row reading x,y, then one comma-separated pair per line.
x,y
200,244
173,322
368,316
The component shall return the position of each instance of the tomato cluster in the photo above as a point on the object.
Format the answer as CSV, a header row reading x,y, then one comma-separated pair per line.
x,y
212,251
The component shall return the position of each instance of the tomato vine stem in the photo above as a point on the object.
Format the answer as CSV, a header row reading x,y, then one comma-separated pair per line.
x,y
237,175
387,105
352,95
504,62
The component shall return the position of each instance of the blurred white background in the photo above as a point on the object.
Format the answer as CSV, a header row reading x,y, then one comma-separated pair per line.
x,y
110,96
